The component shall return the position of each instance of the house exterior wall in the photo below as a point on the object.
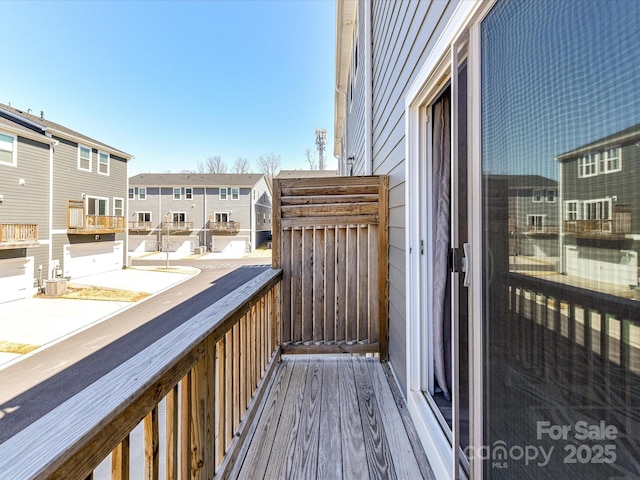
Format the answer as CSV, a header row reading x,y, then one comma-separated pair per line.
x,y
70,183
18,205
205,203
403,34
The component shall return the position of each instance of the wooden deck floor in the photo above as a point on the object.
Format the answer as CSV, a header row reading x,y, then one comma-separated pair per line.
x,y
332,417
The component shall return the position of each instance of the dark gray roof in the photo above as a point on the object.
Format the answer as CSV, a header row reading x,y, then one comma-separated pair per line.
x,y
195,179
61,131
24,131
306,173
631,134
520,181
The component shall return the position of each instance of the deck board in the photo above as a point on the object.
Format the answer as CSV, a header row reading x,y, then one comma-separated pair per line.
x,y
333,417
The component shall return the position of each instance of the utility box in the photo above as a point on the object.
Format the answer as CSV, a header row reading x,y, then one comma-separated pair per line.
x,y
55,288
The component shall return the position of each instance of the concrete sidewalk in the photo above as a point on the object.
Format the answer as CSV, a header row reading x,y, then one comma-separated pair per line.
x,y
43,321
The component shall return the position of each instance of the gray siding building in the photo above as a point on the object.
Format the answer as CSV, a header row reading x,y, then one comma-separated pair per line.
x,y
63,203
223,213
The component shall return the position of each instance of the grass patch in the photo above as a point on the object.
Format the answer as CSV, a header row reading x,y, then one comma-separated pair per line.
x,y
82,292
19,348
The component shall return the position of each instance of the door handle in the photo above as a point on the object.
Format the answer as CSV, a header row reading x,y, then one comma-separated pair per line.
x,y
466,264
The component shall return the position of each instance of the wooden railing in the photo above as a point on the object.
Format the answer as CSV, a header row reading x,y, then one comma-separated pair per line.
x,y
80,223
141,226
330,238
542,229
211,371
18,235
620,223
177,226
224,227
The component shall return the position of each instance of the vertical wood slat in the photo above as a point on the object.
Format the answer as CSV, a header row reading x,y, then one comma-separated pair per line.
x,y
363,284
120,461
172,434
307,253
243,363
383,259
330,302
286,316
228,400
237,412
374,294
341,284
151,445
318,285
202,401
185,427
351,320
221,400
296,285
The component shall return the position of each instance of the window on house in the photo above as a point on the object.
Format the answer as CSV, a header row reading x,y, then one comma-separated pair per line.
x,y
118,207
188,193
97,206
597,209
132,193
537,196
179,217
103,163
587,165
551,195
221,217
84,158
223,193
571,210
8,153
610,160
177,193
142,193
143,216
235,193
535,222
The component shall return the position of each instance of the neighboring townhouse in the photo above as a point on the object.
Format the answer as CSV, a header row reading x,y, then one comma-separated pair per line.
x,y
601,209
453,100
190,212
63,203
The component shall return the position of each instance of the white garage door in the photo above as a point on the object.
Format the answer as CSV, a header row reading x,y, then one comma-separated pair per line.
x,y
85,259
16,279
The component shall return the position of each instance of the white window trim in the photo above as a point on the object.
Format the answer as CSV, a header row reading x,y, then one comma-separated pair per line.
x,y
555,195
226,193
80,147
108,163
140,197
131,193
94,197
595,201
14,151
577,210
115,199
238,189
222,213
541,195
188,195
138,212
179,213
173,193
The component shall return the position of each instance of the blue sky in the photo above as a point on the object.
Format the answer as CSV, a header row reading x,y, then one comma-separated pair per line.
x,y
173,83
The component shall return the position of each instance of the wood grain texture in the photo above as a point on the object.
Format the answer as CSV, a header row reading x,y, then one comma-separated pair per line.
x,y
172,433
185,426
329,445
120,461
318,285
308,254
354,456
328,199
151,446
383,272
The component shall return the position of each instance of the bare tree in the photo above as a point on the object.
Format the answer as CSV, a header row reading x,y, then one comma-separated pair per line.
x,y
212,165
311,159
269,164
241,165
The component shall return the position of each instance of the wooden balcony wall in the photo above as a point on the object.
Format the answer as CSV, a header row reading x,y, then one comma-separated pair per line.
x,y
330,238
619,224
18,235
211,372
141,226
78,222
177,227
223,227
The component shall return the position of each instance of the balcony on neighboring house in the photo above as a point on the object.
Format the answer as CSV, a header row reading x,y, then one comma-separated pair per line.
x,y
223,227
616,227
18,235
177,227
141,226
81,223
542,229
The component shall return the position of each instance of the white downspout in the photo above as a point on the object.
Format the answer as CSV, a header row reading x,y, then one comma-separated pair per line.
x,y
51,151
368,90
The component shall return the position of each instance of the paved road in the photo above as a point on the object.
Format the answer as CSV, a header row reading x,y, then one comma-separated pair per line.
x,y
34,386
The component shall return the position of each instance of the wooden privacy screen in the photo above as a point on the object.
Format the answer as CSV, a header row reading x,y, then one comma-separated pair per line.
x,y
330,239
